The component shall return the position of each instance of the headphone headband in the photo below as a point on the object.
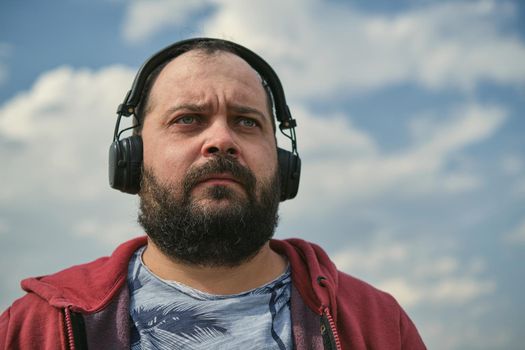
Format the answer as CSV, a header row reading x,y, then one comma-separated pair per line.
x,y
126,155
282,112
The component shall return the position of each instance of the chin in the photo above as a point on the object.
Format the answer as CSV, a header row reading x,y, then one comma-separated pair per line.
x,y
220,196
221,193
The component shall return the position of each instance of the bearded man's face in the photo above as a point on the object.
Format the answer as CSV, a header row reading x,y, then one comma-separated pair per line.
x,y
210,189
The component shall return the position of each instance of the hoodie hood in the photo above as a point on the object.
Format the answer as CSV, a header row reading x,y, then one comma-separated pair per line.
x,y
90,287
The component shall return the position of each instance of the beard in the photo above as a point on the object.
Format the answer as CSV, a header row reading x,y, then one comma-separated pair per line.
x,y
216,234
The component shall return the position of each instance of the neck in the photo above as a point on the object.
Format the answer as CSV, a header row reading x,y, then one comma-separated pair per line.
x,y
259,270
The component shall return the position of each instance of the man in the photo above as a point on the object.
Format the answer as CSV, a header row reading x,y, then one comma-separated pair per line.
x,y
208,275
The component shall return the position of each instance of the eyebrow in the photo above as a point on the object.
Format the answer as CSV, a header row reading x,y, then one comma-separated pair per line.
x,y
201,108
193,107
246,110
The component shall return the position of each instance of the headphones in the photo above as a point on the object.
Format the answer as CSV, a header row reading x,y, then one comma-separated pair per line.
x,y
125,156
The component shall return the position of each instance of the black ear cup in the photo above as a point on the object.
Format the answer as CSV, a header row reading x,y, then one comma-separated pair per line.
x,y
125,162
289,172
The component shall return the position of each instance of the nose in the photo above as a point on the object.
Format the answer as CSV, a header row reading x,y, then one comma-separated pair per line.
x,y
220,139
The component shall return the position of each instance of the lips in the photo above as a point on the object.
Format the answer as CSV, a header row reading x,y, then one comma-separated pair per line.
x,y
219,171
222,178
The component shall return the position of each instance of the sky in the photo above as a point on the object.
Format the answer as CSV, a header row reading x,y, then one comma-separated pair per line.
x,y
410,130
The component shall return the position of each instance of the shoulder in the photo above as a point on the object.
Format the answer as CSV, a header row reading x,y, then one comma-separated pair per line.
x,y
356,290
377,313
28,321
28,308
104,276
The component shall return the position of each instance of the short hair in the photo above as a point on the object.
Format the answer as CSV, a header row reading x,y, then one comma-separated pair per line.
x,y
207,47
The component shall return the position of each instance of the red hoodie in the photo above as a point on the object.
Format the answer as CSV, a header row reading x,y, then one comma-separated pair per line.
x,y
86,306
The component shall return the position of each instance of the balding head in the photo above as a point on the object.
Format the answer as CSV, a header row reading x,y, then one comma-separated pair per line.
x,y
199,51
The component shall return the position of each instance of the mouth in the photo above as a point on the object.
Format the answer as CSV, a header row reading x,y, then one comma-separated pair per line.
x,y
219,179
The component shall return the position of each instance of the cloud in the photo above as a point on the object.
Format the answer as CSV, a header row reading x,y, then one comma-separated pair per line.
x,y
464,333
342,163
326,48
440,45
331,136
145,18
57,133
416,274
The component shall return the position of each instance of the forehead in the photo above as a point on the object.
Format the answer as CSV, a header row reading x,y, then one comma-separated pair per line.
x,y
196,70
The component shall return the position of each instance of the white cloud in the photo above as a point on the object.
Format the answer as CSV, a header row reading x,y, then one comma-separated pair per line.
x,y
467,124
446,291
344,164
145,18
415,274
58,133
331,136
460,290
328,49
464,333
325,49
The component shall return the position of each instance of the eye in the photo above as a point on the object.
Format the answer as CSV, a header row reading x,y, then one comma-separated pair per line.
x,y
248,122
186,119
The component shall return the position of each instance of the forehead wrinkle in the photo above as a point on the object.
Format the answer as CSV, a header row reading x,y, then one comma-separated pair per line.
x,y
248,90
236,99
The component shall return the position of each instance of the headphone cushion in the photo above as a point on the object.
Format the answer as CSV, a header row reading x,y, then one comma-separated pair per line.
x,y
289,173
125,163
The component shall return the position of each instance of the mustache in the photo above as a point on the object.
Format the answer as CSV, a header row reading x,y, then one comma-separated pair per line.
x,y
220,164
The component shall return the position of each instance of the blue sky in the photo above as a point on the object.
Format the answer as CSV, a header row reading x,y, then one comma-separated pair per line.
x,y
410,129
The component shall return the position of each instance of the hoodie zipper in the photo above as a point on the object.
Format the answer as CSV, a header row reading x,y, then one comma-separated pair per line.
x,y
328,329
69,330
75,330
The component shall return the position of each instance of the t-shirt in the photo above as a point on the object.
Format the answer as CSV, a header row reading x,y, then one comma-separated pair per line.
x,y
169,315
